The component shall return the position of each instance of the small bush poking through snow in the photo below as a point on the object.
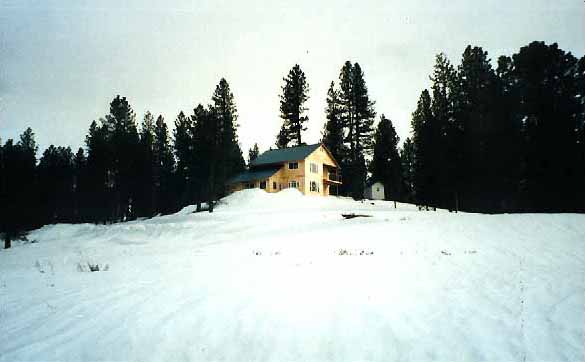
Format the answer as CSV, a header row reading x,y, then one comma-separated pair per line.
x,y
92,267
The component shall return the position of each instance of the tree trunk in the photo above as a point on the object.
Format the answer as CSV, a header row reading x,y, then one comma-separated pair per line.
x,y
7,242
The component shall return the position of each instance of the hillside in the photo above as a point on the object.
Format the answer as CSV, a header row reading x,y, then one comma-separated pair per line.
x,y
282,277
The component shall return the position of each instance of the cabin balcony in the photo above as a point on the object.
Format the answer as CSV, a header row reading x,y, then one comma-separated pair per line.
x,y
332,177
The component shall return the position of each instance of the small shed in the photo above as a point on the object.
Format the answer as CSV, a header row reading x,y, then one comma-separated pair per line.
x,y
374,190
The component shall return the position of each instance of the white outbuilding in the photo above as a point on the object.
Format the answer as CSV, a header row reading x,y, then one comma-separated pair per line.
x,y
374,190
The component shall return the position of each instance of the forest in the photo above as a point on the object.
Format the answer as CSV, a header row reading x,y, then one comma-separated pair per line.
x,y
509,138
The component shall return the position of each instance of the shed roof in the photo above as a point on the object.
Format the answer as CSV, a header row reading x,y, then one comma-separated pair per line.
x,y
284,154
253,175
372,182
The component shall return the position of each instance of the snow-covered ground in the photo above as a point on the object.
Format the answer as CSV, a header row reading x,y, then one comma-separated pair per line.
x,y
282,277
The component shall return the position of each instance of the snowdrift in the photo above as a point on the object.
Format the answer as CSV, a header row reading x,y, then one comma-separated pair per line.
x,y
282,276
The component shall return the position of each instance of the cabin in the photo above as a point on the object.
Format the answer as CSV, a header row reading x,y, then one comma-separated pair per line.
x,y
374,190
309,168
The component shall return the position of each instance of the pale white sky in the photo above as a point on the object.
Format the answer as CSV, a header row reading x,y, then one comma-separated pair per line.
x,y
61,62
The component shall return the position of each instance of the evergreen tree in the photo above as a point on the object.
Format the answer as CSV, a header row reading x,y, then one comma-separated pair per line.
x,y
20,208
145,197
479,114
545,91
124,142
201,154
253,153
228,155
444,141
56,173
580,80
407,159
79,185
164,167
183,143
292,110
332,136
423,179
100,181
357,116
282,138
386,165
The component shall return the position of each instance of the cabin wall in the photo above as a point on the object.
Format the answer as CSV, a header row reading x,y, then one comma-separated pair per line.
x,y
318,157
285,175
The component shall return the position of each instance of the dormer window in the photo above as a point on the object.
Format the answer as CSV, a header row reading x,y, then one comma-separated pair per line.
x,y
293,165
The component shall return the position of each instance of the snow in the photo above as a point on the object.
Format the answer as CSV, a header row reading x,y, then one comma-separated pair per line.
x,y
283,277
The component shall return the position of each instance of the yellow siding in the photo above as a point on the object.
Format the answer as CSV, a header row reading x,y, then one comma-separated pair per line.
x,y
302,175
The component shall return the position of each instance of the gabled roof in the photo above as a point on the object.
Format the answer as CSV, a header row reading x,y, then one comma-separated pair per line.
x,y
253,175
278,156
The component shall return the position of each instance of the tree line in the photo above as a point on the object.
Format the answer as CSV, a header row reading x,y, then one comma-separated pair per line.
x,y
126,170
509,139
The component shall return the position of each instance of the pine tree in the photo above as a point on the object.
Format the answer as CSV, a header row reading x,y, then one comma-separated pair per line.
x,y
164,167
124,141
99,173
79,185
20,208
580,96
386,165
547,103
292,110
485,129
407,159
445,138
229,156
144,201
253,153
332,136
183,143
282,138
56,172
421,136
357,115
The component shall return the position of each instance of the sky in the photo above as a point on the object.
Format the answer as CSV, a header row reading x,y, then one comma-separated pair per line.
x,y
62,62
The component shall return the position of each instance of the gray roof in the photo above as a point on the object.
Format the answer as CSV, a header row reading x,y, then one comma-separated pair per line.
x,y
296,153
253,175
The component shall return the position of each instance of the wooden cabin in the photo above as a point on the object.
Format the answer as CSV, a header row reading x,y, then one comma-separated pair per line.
x,y
309,168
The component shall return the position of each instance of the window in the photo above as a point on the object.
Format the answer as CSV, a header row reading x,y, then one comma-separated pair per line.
x,y
377,189
250,185
314,168
293,165
314,186
293,184
263,185
274,185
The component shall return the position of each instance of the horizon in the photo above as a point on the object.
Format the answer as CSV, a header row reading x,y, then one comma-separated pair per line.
x,y
63,64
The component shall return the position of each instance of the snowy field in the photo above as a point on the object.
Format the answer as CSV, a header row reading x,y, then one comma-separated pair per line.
x,y
282,277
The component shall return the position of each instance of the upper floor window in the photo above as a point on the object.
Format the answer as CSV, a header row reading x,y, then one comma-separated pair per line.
x,y
293,165
314,168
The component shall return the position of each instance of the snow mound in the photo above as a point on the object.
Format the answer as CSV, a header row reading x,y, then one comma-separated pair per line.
x,y
260,199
